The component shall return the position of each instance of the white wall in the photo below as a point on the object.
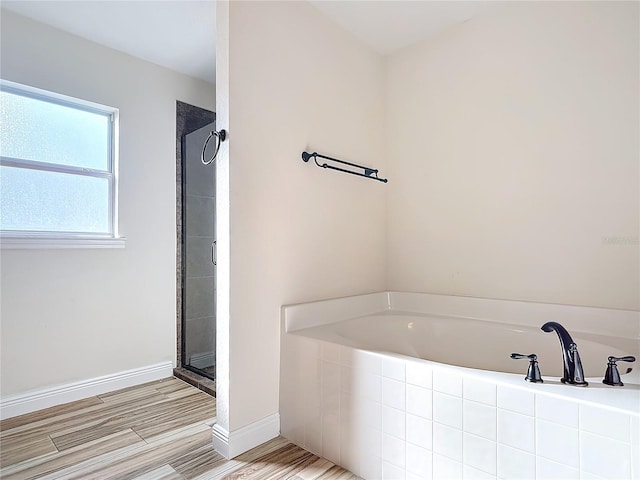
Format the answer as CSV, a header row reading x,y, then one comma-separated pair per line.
x,y
72,315
513,143
512,139
295,81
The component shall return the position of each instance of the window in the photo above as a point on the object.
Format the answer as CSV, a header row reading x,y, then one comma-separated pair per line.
x,y
57,170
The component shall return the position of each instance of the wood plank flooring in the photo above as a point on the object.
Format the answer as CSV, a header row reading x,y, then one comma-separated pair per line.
x,y
156,431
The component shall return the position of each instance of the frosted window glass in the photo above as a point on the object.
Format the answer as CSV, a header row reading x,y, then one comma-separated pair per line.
x,y
42,201
33,129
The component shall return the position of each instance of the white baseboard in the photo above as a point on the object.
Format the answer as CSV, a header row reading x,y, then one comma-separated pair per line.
x,y
12,406
232,444
202,360
221,440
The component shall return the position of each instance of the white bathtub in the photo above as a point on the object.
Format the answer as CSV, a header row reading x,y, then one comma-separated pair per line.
x,y
470,343
396,385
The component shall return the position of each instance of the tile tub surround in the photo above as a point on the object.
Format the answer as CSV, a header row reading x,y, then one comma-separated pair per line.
x,y
390,416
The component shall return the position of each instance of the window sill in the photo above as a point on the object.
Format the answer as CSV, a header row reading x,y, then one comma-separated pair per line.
x,y
39,242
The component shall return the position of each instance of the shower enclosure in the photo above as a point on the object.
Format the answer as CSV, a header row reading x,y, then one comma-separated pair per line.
x,y
197,271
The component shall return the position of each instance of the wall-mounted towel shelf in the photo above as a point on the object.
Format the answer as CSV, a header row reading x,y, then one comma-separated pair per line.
x,y
367,172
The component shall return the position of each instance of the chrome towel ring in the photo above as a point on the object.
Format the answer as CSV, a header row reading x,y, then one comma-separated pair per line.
x,y
221,136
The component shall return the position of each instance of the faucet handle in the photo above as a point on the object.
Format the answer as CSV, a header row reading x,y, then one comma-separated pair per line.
x,y
611,375
517,356
628,358
533,372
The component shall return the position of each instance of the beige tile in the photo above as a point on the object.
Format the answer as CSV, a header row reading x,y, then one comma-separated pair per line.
x,y
10,425
163,473
59,462
15,450
313,471
156,431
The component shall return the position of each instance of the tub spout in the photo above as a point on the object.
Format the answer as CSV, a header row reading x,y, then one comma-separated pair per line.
x,y
573,371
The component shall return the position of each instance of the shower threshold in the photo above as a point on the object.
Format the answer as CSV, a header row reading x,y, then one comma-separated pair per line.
x,y
192,376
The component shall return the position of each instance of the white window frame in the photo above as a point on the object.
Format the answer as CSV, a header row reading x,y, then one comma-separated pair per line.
x,y
42,239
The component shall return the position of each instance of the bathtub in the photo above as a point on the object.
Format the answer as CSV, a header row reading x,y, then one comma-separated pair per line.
x,y
404,386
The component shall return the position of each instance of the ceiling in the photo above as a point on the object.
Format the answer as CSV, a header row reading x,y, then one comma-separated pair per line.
x,y
390,25
180,34
176,34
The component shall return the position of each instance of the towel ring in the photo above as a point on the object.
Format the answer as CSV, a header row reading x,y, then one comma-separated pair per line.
x,y
221,136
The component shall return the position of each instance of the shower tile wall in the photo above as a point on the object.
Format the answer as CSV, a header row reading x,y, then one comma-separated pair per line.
x,y
199,309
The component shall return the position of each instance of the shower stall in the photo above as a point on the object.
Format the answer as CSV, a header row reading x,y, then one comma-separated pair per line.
x,y
196,245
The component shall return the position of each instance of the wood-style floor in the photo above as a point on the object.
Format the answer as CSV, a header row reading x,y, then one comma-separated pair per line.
x,y
157,431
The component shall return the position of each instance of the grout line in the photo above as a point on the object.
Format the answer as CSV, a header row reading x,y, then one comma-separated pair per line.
x,y
535,436
53,443
133,429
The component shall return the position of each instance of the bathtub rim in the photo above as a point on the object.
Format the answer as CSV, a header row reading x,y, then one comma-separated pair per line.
x,y
575,318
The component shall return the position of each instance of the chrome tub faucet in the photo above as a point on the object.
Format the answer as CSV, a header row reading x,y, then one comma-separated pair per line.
x,y
573,372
